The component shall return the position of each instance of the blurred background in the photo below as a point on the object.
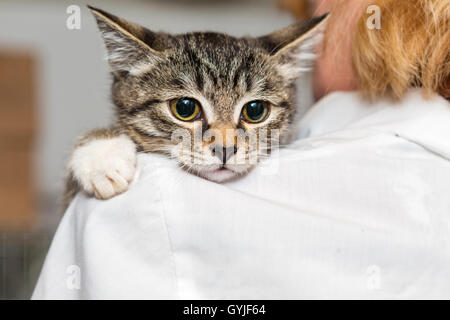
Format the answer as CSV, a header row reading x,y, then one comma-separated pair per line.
x,y
54,85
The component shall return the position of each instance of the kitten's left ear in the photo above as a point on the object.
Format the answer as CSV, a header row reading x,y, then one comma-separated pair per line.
x,y
293,47
130,47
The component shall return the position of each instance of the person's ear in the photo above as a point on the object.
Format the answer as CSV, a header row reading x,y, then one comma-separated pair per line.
x,y
293,47
128,45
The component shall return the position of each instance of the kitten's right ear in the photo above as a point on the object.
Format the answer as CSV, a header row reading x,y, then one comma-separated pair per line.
x,y
126,43
293,47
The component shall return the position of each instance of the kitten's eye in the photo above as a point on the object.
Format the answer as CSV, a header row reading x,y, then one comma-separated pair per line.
x,y
185,109
255,111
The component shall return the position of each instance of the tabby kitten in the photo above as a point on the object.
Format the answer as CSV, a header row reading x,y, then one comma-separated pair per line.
x,y
197,85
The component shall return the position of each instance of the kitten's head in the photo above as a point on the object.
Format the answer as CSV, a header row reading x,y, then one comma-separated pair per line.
x,y
216,103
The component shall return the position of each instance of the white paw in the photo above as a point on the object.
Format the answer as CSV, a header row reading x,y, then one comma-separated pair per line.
x,y
104,167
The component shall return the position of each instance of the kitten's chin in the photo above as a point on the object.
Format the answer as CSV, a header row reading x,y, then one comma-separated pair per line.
x,y
219,175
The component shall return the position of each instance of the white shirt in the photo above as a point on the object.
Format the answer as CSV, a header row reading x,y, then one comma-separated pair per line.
x,y
357,208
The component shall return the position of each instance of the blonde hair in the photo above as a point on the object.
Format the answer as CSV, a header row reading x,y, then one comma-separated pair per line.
x,y
412,48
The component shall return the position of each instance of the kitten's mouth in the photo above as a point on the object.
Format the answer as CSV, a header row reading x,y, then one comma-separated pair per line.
x,y
221,174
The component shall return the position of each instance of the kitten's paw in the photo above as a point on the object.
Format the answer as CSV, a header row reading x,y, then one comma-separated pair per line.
x,y
104,167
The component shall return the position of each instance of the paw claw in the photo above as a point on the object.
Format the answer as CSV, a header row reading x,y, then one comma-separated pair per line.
x,y
119,183
103,188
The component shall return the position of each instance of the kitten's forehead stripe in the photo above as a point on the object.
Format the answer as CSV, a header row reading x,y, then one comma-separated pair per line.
x,y
196,62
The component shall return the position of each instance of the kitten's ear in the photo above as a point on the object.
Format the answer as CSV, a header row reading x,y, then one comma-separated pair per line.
x,y
126,43
293,47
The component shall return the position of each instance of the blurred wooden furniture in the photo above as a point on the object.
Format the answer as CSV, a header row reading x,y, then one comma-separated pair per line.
x,y
17,129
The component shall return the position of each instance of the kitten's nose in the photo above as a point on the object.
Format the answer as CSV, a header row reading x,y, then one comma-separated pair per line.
x,y
223,153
